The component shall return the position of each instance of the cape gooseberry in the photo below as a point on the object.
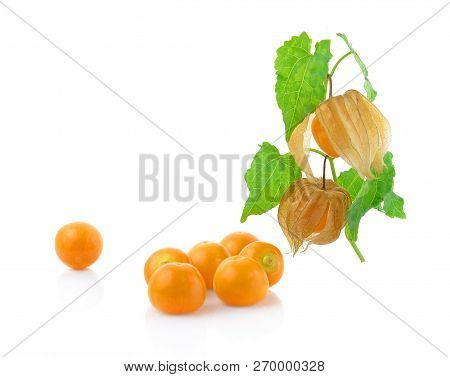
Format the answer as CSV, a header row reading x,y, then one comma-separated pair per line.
x,y
348,126
314,211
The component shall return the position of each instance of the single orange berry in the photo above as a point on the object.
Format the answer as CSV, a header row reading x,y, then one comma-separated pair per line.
x,y
161,257
268,256
177,288
78,245
322,139
236,241
207,256
240,281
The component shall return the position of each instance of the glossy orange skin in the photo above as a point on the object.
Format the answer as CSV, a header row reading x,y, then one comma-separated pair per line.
x,y
269,257
322,139
177,288
207,256
161,257
236,241
78,245
240,281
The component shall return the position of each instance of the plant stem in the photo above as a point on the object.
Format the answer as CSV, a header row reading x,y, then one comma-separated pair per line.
x,y
319,152
324,171
330,159
333,170
328,81
338,62
330,90
357,251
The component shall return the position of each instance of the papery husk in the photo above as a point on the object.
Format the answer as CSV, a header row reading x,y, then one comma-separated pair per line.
x,y
303,206
355,128
299,145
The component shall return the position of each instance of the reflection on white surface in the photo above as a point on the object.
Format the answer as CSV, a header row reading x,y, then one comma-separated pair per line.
x,y
180,335
72,282
251,322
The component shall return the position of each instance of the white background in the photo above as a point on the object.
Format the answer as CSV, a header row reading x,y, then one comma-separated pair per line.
x,y
203,71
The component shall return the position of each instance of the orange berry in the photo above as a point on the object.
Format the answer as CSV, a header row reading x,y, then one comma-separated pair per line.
x,y
177,288
161,257
236,241
322,139
323,221
269,257
78,245
207,256
240,281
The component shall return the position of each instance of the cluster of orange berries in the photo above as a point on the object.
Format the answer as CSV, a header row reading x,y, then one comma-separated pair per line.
x,y
240,269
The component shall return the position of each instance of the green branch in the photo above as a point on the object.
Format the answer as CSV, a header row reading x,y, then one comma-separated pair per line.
x,y
333,170
357,251
319,152
339,61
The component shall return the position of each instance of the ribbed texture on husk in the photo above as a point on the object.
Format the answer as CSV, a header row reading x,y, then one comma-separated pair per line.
x,y
356,129
305,204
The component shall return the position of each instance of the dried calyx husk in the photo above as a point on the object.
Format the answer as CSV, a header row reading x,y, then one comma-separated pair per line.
x,y
313,211
355,128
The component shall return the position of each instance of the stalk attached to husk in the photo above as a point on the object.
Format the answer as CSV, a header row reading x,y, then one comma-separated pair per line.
x,y
330,160
324,171
333,172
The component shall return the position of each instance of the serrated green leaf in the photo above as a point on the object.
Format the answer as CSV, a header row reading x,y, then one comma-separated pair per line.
x,y
393,205
371,195
351,181
268,178
376,193
371,92
301,78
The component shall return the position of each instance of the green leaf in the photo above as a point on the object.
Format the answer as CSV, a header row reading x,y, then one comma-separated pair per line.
x,y
351,181
371,92
268,178
393,205
301,78
371,195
